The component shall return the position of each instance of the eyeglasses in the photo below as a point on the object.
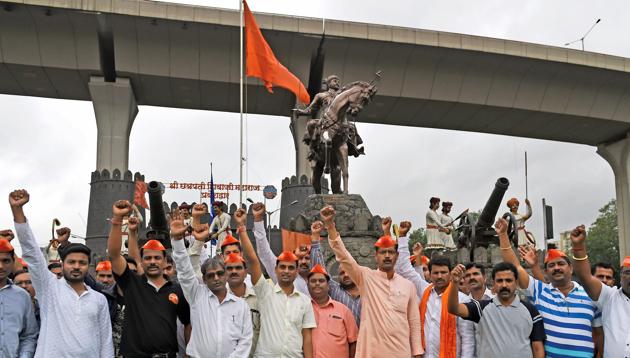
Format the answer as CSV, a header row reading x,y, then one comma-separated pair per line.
x,y
235,268
213,274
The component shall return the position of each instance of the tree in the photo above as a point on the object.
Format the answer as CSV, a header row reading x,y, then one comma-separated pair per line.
x,y
418,235
603,236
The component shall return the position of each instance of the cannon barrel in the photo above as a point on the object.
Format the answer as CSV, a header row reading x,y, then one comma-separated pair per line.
x,y
489,212
158,216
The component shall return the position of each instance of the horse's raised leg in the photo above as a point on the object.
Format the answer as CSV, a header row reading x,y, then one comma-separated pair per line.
x,y
317,169
342,160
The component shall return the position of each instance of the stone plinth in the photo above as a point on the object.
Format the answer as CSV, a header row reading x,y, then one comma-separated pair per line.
x,y
358,228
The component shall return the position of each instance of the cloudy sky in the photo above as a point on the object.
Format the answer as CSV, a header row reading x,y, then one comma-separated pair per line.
x,y
49,146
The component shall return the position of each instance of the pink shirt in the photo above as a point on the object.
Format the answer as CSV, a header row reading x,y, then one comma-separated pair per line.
x,y
390,317
336,329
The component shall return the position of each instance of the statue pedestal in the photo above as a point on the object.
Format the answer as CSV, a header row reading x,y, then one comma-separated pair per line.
x,y
358,228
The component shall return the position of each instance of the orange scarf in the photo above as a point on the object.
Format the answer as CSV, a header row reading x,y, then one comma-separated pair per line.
x,y
448,325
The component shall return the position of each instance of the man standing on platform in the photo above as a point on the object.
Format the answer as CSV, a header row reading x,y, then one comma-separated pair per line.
x,y
268,258
344,290
74,318
152,302
286,314
524,238
389,314
614,302
447,222
434,226
220,223
336,332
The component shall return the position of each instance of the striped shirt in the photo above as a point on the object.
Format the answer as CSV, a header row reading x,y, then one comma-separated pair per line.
x,y
335,291
568,320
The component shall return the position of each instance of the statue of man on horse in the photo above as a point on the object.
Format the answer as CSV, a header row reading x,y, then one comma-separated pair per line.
x,y
333,136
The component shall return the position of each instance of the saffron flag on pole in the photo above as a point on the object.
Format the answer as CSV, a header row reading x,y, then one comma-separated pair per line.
x,y
262,63
138,194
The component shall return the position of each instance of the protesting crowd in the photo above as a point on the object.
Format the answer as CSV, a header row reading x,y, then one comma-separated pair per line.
x,y
245,301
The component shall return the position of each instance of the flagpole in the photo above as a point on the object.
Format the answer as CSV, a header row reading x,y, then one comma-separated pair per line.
x,y
526,189
240,158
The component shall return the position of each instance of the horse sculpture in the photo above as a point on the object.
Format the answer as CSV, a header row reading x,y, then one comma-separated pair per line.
x,y
333,137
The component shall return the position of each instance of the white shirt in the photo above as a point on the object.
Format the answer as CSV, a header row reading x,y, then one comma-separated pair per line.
x,y
282,319
615,306
221,329
465,329
268,259
72,325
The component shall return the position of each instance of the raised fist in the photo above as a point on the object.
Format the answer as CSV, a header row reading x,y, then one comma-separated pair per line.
x,y
240,217
417,249
7,234
132,224
457,273
63,234
327,214
403,228
178,227
578,236
121,209
316,228
201,232
18,198
386,225
501,226
197,210
258,210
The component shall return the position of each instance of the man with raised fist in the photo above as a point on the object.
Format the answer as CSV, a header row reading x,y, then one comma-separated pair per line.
x,y
74,318
614,302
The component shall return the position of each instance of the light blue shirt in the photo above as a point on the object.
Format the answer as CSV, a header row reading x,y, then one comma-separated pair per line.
x,y
18,327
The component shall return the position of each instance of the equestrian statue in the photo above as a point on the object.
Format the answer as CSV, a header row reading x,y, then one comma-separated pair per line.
x,y
333,137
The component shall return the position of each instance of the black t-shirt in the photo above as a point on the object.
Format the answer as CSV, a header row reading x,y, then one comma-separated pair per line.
x,y
150,324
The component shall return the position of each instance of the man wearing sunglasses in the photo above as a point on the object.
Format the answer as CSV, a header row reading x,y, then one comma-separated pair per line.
x,y
221,321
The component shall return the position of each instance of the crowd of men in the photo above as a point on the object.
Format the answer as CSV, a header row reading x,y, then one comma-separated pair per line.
x,y
147,303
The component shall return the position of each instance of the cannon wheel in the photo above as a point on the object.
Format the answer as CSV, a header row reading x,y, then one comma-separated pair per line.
x,y
511,230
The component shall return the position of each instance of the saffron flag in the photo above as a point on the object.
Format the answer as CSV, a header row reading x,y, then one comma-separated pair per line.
x,y
138,195
262,63
292,240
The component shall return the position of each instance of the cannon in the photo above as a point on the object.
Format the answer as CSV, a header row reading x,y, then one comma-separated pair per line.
x,y
478,231
159,225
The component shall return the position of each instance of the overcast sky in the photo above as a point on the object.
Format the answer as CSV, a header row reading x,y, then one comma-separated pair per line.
x,y
49,146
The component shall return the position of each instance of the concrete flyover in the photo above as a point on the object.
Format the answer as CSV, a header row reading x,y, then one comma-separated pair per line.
x,y
124,53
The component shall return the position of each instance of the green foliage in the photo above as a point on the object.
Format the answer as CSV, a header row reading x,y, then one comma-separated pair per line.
x,y
603,236
418,235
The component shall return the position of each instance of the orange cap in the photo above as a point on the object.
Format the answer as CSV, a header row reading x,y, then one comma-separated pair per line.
x,y
229,240
385,241
104,266
319,269
287,256
553,254
154,245
512,202
233,259
626,262
5,246
425,260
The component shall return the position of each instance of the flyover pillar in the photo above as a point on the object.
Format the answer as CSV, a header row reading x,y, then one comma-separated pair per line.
x,y
115,109
298,128
617,154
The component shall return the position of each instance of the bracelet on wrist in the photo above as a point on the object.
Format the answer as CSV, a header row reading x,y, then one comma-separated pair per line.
x,y
116,221
579,258
506,248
